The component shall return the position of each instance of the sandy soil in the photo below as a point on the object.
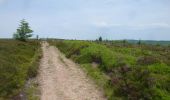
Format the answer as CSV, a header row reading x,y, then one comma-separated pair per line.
x,y
62,79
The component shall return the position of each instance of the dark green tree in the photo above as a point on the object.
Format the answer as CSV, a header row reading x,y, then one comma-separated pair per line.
x,y
100,39
124,42
139,42
23,32
37,37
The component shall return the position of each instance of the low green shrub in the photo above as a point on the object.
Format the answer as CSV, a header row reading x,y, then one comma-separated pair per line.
x,y
34,65
147,60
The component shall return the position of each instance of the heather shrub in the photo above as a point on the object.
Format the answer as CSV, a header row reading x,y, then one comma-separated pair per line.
x,y
16,59
132,72
147,60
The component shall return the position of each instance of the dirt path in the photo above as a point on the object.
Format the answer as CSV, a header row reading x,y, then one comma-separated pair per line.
x,y
61,79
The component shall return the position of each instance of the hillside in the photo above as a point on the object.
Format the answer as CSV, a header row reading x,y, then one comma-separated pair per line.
x,y
151,42
125,71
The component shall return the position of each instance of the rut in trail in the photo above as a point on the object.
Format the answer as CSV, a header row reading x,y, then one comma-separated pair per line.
x,y
62,79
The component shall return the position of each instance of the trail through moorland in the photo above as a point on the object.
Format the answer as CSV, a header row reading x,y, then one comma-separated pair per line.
x,y
62,79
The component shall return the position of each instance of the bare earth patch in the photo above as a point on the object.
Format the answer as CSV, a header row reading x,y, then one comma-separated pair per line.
x,y
62,79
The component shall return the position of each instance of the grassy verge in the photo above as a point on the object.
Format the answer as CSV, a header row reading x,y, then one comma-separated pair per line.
x,y
18,63
32,89
32,86
99,77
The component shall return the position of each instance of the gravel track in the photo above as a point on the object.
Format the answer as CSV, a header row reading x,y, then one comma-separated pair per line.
x,y
62,79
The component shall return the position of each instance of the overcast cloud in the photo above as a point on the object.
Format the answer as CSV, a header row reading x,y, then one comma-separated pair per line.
x,y
88,19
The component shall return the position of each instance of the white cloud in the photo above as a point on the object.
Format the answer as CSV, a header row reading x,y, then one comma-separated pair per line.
x,y
149,25
131,26
2,1
87,17
161,25
101,24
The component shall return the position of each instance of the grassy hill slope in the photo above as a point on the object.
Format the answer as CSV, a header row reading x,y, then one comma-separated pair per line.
x,y
125,71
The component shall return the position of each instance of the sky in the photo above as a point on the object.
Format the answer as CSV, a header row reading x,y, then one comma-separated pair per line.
x,y
88,19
